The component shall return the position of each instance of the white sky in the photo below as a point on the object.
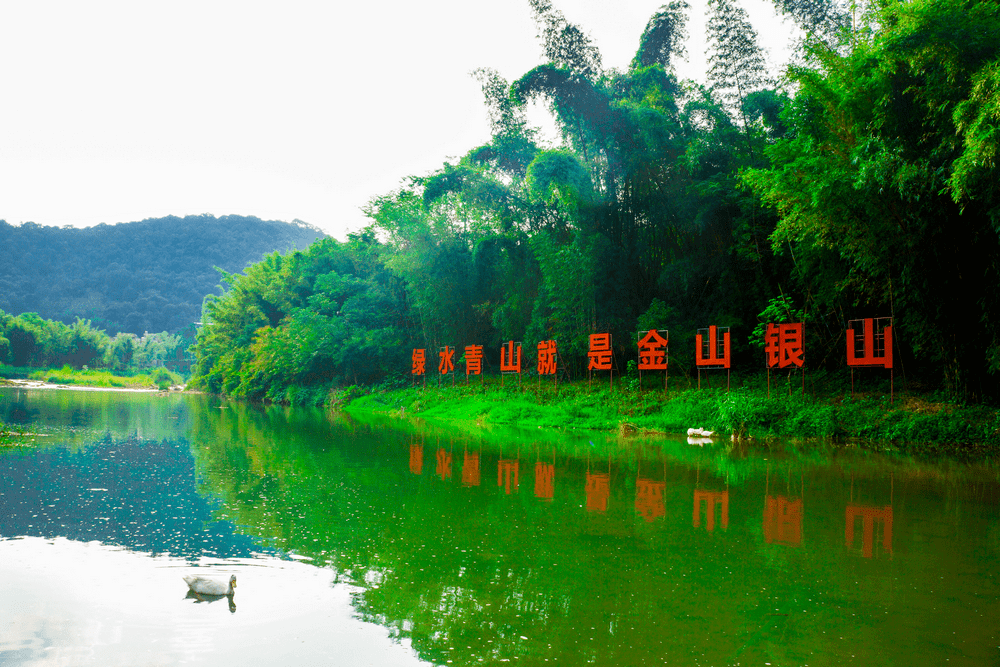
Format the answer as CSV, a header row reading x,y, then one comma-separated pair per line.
x,y
120,111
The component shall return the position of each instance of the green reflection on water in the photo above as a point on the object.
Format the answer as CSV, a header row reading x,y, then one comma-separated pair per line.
x,y
537,546
518,546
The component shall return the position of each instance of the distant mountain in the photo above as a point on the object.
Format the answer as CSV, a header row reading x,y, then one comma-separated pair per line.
x,y
135,276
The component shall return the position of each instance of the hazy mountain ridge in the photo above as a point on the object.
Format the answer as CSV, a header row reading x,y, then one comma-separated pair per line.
x,y
137,276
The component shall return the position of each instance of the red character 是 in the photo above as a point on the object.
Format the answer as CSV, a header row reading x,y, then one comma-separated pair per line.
x,y
600,352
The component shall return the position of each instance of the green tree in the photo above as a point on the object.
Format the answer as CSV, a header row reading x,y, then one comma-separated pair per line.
x,y
878,185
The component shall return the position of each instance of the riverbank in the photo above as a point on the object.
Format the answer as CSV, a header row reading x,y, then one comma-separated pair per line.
x,y
906,422
159,379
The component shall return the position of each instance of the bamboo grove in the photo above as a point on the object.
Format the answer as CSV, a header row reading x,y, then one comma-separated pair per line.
x,y
861,183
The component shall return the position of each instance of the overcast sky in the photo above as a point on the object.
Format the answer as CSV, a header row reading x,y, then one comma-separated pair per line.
x,y
120,111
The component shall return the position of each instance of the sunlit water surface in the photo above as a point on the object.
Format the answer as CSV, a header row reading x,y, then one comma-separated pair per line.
x,y
379,544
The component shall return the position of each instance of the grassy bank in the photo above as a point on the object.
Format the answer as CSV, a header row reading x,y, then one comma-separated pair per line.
x,y
746,412
159,378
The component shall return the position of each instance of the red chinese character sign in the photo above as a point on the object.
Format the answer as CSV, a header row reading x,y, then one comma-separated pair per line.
x,y
600,355
712,350
510,360
446,363
653,352
869,344
418,363
784,347
547,353
473,361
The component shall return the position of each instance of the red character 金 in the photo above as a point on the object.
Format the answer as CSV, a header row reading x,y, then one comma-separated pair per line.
x,y
653,351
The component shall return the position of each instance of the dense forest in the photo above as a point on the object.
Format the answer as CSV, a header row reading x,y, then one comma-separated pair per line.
x,y
863,183
133,277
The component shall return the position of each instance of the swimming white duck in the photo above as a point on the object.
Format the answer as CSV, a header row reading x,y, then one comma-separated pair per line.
x,y
207,586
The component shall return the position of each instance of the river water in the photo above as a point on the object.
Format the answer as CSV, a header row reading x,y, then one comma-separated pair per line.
x,y
379,543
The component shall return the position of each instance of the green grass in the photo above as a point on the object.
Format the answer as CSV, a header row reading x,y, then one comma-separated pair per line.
x,y
15,372
159,378
747,412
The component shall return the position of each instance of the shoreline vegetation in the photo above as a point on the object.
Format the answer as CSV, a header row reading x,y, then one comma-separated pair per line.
x,y
914,422
157,379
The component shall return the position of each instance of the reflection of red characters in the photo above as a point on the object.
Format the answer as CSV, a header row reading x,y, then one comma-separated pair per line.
x,y
416,459
877,345
600,352
710,498
598,489
443,463
473,359
544,480
717,353
547,357
470,469
419,362
510,358
649,498
783,521
783,345
868,516
507,474
653,351
447,363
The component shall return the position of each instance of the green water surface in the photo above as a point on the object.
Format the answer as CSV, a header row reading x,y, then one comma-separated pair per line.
x,y
385,543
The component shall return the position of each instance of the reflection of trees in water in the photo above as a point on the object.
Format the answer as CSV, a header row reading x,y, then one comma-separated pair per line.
x,y
132,492
474,571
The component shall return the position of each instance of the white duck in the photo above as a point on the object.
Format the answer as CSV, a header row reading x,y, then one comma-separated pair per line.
x,y
206,586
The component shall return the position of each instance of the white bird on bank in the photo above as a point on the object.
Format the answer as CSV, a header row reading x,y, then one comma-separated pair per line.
x,y
206,586
700,433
